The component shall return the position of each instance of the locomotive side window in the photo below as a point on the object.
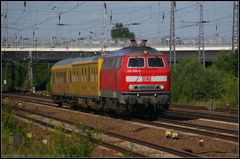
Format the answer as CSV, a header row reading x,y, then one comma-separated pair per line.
x,y
119,62
110,63
104,63
155,62
114,62
136,62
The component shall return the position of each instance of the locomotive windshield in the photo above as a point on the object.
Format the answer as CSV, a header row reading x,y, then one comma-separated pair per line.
x,y
155,62
136,62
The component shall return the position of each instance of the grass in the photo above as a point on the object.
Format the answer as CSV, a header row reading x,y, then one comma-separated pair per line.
x,y
28,143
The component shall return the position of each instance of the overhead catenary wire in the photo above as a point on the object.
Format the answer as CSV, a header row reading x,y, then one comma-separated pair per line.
x,y
78,5
94,24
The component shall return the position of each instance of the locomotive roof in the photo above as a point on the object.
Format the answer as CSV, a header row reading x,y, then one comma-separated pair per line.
x,y
131,50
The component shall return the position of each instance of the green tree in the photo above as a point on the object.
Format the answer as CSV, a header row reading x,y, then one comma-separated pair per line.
x,y
191,82
227,62
119,31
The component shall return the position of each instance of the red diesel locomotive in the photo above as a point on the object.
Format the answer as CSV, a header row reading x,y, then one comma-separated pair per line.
x,y
130,79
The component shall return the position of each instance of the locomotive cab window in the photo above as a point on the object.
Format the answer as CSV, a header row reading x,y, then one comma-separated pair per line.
x,y
136,62
155,62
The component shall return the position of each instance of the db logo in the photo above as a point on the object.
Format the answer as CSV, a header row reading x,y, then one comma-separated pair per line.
x,y
146,78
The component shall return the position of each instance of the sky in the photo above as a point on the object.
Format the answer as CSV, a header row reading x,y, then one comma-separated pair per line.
x,y
85,18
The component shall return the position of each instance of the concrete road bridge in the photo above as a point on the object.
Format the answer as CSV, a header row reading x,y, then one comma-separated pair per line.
x,y
54,54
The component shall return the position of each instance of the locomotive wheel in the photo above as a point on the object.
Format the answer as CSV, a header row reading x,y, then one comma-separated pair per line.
x,y
154,111
128,110
122,109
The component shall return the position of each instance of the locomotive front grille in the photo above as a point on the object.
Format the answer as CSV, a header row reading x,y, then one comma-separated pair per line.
x,y
146,87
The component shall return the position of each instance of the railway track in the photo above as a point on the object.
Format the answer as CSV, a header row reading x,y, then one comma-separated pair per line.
x,y
230,135
122,137
194,114
66,131
176,110
224,110
226,134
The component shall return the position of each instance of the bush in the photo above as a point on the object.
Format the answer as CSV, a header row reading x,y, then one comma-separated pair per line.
x,y
227,62
230,95
186,81
192,83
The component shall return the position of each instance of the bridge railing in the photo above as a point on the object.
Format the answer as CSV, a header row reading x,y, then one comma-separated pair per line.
x,y
72,43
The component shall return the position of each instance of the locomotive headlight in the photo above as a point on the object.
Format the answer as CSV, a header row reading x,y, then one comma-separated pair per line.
x,y
161,86
131,87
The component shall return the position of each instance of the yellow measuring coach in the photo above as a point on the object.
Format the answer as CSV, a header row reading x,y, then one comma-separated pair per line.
x,y
76,78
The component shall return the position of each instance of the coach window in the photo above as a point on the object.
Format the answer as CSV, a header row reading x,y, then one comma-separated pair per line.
x,y
70,76
77,75
88,73
66,76
59,80
95,75
61,77
63,74
82,75
91,72
73,74
85,75
58,77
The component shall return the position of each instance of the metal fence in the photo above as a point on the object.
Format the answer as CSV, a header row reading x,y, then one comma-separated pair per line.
x,y
76,43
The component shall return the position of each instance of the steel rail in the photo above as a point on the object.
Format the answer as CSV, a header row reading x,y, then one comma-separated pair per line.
x,y
151,145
